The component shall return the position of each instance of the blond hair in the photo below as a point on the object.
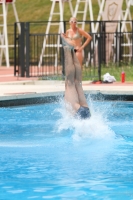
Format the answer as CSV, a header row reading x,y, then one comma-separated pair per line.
x,y
73,18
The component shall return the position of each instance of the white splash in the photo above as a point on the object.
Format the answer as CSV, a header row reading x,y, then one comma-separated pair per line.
x,y
95,127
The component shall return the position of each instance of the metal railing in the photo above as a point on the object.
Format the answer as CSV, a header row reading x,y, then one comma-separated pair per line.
x,y
41,55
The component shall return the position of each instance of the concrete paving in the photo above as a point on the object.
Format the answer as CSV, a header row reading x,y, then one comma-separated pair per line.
x,y
34,88
16,87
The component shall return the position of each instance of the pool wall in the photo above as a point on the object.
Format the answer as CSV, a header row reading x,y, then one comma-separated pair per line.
x,y
41,98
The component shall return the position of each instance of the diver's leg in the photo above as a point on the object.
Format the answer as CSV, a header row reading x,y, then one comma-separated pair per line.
x,y
80,57
71,95
78,82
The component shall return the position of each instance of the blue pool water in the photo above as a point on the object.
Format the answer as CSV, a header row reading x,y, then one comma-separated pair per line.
x,y
46,154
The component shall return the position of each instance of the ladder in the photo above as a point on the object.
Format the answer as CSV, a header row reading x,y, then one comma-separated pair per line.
x,y
82,8
125,16
60,28
88,7
83,12
4,47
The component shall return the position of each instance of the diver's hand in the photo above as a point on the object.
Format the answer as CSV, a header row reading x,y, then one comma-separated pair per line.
x,y
79,49
63,35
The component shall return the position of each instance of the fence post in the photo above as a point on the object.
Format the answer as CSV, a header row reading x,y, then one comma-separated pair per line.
x,y
62,60
103,41
64,26
132,43
21,49
120,47
27,49
15,49
117,50
99,56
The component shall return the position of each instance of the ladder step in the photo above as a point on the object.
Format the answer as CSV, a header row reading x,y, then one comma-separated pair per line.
x,y
82,1
50,55
127,55
80,12
55,24
126,22
126,45
11,45
53,45
3,46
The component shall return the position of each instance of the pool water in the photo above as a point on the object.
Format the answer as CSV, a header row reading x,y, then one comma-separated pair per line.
x,y
46,154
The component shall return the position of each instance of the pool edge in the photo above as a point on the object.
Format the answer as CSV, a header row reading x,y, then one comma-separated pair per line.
x,y
49,97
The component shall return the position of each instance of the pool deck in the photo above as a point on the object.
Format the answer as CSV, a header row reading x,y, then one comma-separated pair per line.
x,y
17,87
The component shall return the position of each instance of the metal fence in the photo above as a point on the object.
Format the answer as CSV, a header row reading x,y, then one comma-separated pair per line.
x,y
40,54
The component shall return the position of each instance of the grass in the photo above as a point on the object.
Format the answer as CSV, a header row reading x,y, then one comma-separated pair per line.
x,y
112,69
39,10
117,70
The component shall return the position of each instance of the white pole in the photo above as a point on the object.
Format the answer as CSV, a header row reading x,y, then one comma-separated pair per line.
x,y
91,15
5,33
16,15
71,8
100,14
61,8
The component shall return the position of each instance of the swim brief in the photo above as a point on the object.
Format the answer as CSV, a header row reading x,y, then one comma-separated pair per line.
x,y
83,112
